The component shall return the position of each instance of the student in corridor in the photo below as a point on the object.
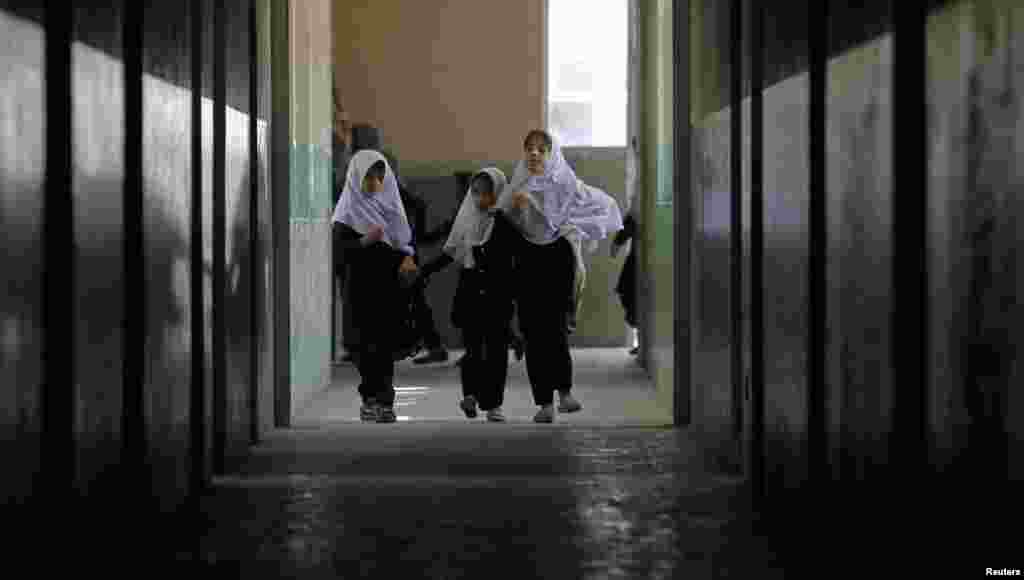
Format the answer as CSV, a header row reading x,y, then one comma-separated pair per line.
x,y
484,244
557,214
371,225
626,286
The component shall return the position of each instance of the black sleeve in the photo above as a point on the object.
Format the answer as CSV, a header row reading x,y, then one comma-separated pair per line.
x,y
436,265
627,232
507,233
350,242
346,238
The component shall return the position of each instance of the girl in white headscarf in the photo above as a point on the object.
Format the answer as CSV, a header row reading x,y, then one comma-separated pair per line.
x,y
558,215
371,228
484,243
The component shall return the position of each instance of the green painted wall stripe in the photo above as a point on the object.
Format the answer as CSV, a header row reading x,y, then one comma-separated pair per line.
x,y
308,355
311,196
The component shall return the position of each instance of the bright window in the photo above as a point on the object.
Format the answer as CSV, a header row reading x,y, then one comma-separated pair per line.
x,y
588,52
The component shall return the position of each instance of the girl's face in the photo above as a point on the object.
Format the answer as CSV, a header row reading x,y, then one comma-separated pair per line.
x,y
484,194
372,184
537,153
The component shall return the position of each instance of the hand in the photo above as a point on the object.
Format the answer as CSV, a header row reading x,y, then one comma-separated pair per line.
x,y
520,200
374,234
408,266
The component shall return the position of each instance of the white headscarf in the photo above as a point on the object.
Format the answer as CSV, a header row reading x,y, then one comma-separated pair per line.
x,y
560,204
359,210
472,227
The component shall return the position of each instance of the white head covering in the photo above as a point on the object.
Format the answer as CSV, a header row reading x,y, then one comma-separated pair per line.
x,y
472,227
359,210
560,203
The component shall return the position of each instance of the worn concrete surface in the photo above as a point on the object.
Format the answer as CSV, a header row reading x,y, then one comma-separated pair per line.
x,y
612,387
605,493
599,494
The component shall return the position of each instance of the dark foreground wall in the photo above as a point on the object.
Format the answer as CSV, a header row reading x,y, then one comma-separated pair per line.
x,y
135,212
857,265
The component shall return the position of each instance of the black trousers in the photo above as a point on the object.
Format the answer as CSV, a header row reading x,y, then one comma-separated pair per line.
x,y
545,301
425,319
485,332
377,371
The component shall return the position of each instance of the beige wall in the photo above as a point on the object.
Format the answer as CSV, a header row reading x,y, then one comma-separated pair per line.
x,y
446,81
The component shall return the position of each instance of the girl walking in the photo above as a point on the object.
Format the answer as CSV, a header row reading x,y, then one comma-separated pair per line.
x,y
557,214
372,231
484,244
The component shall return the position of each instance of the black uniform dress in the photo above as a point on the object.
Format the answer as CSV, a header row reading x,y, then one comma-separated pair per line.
x,y
626,288
482,309
375,310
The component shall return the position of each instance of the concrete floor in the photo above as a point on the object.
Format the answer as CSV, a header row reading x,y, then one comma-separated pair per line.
x,y
612,387
605,493
610,492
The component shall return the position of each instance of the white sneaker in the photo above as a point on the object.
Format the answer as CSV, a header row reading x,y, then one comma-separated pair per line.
x,y
568,404
545,415
495,415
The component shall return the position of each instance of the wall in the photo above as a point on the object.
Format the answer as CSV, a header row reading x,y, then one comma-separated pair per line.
x,y
22,195
711,373
976,150
657,225
132,195
458,81
842,219
311,110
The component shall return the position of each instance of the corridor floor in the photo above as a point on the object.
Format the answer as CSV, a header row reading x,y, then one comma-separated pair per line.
x,y
599,494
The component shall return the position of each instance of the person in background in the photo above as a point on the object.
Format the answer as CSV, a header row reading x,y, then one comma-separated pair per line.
x,y
342,153
626,287
423,316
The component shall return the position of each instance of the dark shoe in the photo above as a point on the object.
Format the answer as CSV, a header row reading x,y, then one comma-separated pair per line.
x,y
402,354
546,414
439,355
634,351
568,404
369,411
387,415
468,406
